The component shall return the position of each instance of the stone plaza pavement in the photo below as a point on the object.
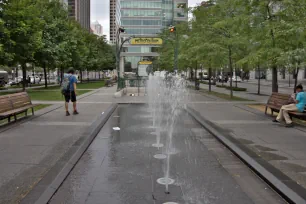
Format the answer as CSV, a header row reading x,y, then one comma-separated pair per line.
x,y
281,147
32,146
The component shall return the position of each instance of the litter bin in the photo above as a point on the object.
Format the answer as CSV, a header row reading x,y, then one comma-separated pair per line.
x,y
197,85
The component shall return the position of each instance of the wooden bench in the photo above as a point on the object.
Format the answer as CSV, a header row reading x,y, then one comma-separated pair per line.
x,y
277,100
110,82
14,104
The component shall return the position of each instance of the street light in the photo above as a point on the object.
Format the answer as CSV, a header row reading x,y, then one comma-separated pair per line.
x,y
118,52
173,30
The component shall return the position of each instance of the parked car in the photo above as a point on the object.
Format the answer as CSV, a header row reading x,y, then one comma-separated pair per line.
x,y
236,79
12,82
3,78
34,79
205,76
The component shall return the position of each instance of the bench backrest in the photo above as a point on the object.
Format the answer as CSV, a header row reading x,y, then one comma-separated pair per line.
x,y
19,100
5,104
278,99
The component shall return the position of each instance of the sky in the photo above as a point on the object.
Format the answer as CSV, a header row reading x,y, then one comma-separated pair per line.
x,y
100,12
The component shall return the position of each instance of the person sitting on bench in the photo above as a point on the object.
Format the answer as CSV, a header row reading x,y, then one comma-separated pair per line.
x,y
297,106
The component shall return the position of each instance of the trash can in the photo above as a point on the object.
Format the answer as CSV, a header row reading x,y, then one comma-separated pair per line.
x,y
197,85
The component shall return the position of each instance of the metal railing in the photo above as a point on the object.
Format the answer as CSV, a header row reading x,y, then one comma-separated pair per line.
x,y
135,82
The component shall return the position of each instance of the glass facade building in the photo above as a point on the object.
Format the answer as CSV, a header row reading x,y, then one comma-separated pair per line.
x,y
147,18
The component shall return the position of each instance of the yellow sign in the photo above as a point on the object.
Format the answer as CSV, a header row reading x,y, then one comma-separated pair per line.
x,y
146,41
145,62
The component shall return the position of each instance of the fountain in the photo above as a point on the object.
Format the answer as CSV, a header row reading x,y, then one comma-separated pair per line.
x,y
167,98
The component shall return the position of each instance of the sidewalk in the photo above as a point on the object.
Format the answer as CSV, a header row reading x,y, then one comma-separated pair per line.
x,y
30,148
283,148
241,94
281,83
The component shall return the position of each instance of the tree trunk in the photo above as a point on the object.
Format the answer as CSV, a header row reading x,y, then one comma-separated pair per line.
x,y
209,75
296,73
49,75
236,77
259,75
99,75
195,76
33,74
81,76
24,76
274,79
45,73
289,79
87,76
58,76
231,69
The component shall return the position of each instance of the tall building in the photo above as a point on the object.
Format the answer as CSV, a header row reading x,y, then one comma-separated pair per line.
x,y
80,10
114,19
144,18
97,28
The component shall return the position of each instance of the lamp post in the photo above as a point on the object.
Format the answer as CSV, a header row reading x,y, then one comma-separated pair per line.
x,y
118,52
172,29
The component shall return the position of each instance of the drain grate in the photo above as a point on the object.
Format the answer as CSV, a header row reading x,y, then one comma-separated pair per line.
x,y
157,145
165,181
160,156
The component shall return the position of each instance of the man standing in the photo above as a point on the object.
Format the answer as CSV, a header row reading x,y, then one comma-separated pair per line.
x,y
297,106
70,94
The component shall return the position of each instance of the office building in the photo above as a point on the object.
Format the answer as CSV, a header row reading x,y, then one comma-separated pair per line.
x,y
146,19
97,28
114,19
80,11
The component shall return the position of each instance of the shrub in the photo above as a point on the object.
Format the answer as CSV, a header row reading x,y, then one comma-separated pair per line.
x,y
222,86
236,88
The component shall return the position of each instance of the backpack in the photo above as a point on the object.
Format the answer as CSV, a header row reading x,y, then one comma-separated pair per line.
x,y
65,85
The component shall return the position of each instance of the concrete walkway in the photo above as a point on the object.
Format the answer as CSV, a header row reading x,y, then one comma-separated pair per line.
x,y
31,147
283,148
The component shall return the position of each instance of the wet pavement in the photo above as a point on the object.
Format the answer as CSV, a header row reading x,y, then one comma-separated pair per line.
x,y
119,167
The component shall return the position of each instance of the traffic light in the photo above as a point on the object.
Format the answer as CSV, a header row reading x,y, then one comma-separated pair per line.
x,y
121,30
172,29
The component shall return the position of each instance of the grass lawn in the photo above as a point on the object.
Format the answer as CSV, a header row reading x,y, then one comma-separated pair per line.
x,y
36,108
223,96
90,85
47,95
50,95
262,108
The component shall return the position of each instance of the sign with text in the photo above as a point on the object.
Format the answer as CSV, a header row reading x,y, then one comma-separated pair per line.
x,y
146,41
145,62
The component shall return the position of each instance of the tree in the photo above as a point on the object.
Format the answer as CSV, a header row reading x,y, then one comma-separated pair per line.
x,y
53,34
23,31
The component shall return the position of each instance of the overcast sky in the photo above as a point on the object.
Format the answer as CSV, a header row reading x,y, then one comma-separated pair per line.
x,y
100,12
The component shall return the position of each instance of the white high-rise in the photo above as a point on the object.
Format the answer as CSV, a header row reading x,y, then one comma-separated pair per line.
x,y
97,28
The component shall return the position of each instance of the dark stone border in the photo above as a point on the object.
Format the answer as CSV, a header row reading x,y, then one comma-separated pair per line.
x,y
280,182
49,184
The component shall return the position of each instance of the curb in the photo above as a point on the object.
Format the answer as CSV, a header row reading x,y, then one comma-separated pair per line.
x,y
48,185
284,185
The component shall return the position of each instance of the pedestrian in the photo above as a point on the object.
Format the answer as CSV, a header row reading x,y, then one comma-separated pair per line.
x,y
70,92
297,105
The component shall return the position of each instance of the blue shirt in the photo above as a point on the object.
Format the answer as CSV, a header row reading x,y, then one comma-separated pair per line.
x,y
301,98
72,80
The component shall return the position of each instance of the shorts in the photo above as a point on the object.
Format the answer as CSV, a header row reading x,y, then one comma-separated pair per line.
x,y
70,96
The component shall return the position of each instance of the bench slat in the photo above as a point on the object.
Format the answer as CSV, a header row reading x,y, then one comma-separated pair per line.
x,y
18,110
